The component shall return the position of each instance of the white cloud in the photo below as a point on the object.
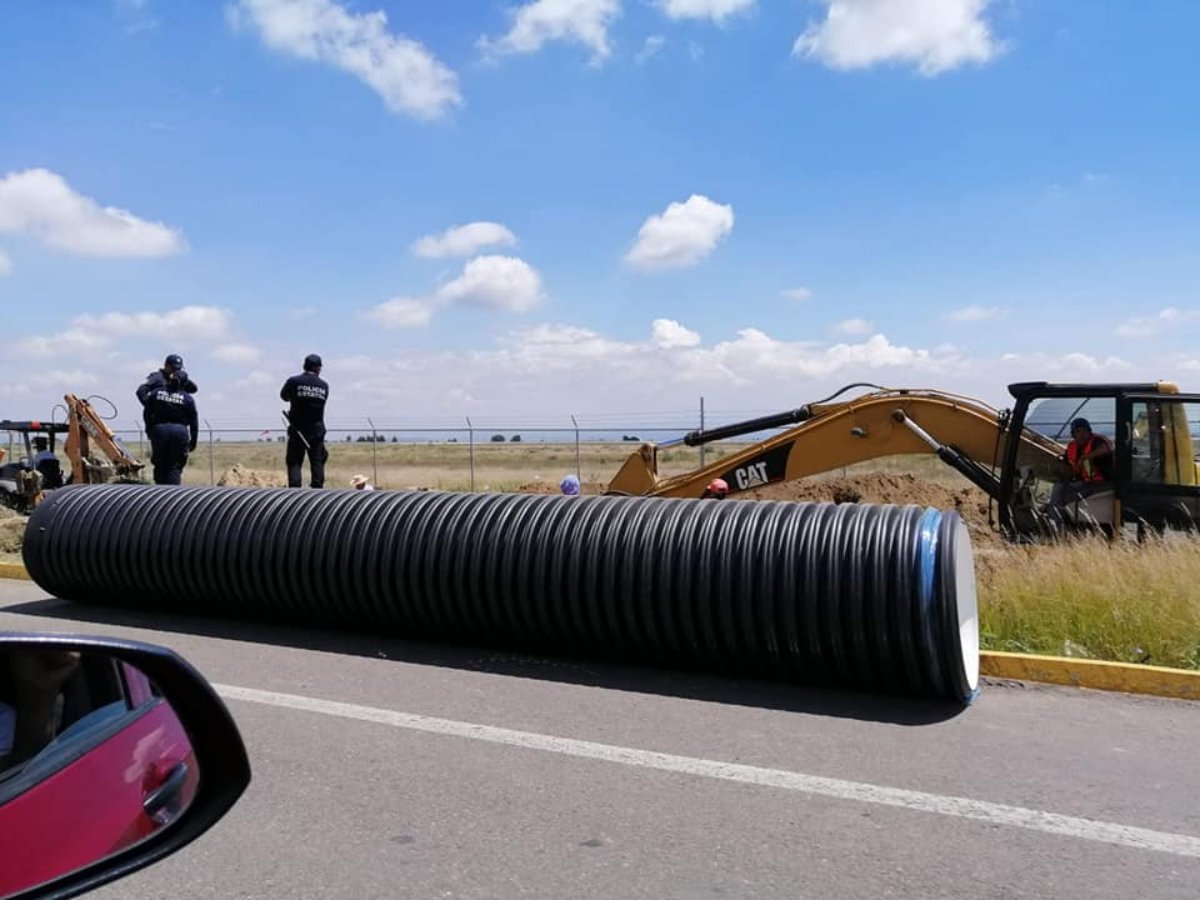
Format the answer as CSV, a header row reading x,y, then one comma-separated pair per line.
x,y
854,327
303,312
669,334
535,24
799,293
497,282
41,204
91,334
257,379
189,322
503,283
403,312
935,35
465,240
682,236
1148,326
695,50
652,46
408,77
237,353
717,10
5,264
975,314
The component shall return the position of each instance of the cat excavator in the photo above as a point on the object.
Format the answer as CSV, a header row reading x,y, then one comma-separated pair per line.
x,y
1016,456
96,456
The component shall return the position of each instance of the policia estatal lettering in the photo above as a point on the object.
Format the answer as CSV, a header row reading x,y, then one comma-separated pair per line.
x,y
171,420
307,394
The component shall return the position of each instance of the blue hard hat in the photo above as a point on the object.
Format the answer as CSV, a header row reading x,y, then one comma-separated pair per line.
x,y
570,485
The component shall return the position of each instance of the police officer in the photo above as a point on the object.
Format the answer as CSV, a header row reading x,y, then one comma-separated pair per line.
x,y
172,365
171,422
307,394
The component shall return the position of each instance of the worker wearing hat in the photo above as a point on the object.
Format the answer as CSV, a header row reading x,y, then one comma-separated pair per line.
x,y
570,486
306,393
717,489
172,423
1090,457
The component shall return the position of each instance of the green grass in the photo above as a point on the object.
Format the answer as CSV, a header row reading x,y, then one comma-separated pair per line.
x,y
1124,602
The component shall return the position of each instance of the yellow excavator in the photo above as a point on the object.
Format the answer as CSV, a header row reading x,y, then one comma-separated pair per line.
x,y
1015,455
96,456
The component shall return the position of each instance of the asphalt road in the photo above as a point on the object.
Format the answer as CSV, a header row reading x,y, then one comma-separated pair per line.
x,y
386,769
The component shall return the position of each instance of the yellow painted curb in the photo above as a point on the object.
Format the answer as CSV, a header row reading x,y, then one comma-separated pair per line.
x,y
13,570
1089,673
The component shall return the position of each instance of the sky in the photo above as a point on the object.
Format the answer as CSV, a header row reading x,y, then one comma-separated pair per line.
x,y
522,211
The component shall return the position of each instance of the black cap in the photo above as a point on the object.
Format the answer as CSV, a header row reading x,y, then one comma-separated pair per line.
x,y
174,361
1081,423
312,361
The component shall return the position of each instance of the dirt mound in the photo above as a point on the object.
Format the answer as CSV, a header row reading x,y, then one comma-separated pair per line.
x,y
239,476
884,487
12,530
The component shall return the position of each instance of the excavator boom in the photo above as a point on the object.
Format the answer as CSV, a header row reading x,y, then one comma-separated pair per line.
x,y
85,428
966,433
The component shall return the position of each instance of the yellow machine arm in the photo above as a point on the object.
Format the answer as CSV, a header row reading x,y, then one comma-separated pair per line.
x,y
85,427
968,434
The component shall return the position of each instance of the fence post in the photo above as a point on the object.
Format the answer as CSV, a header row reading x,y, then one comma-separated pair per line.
x,y
374,454
212,472
578,465
702,429
141,442
471,440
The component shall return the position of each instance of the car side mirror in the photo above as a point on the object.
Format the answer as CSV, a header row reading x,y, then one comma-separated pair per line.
x,y
113,755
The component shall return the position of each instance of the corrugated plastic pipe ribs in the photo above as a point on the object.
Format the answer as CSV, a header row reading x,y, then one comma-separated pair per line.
x,y
869,597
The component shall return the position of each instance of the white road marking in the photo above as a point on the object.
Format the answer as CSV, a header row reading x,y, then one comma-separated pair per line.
x,y
839,789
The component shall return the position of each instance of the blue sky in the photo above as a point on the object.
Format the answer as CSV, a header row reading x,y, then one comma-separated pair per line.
x,y
751,200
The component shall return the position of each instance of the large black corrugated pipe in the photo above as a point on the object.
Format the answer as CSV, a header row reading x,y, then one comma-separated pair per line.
x,y
874,597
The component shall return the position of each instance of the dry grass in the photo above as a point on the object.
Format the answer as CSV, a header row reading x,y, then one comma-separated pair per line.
x,y
498,467
1124,602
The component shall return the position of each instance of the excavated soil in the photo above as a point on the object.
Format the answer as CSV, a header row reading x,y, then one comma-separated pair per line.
x,y
239,476
896,489
877,487
12,530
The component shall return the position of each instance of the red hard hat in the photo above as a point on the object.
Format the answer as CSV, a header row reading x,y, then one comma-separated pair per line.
x,y
718,486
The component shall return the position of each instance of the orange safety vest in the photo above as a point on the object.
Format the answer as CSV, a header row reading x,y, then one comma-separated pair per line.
x,y
1086,469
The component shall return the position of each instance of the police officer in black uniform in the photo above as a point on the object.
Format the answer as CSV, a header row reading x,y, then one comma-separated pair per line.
x,y
307,394
173,365
171,421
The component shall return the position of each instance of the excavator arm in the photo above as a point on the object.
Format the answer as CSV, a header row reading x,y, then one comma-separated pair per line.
x,y
89,438
967,434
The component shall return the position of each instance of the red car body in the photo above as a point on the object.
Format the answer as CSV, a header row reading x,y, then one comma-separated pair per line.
x,y
94,805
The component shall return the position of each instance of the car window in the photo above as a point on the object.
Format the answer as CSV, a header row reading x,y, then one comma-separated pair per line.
x,y
55,702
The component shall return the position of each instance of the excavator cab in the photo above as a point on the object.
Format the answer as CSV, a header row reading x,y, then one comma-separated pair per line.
x,y
23,478
1154,478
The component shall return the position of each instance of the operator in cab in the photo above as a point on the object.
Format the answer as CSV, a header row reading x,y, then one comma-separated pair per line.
x,y
306,393
172,423
1090,457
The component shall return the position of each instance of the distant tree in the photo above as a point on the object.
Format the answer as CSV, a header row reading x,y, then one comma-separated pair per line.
x,y
452,441
395,439
515,439
280,439
497,439
348,439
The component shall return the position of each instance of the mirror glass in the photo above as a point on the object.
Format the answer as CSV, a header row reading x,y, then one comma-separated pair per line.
x,y
92,761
